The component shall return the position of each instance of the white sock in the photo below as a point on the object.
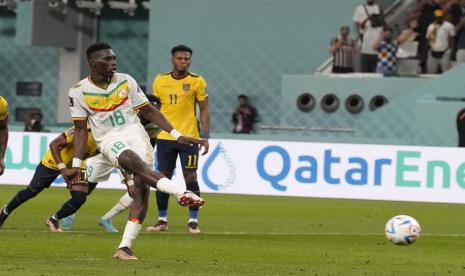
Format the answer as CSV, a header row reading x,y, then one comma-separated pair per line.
x,y
165,219
170,187
194,220
124,203
131,231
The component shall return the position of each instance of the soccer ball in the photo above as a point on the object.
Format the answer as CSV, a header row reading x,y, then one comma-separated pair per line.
x,y
402,230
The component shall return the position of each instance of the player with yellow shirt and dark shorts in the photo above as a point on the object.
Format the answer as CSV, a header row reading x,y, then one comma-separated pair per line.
x,y
56,161
178,92
3,132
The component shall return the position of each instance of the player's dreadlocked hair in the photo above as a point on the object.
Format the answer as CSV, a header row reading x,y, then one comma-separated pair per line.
x,y
97,47
181,48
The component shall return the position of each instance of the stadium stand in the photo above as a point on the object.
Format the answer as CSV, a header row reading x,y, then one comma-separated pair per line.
x,y
273,50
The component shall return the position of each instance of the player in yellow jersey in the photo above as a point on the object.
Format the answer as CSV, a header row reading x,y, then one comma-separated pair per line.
x,y
55,162
179,91
3,132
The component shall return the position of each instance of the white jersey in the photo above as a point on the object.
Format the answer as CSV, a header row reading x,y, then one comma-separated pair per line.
x,y
439,35
370,34
108,111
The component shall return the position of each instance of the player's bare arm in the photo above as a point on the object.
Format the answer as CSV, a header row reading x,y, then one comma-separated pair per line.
x,y
151,113
80,146
55,148
3,142
205,122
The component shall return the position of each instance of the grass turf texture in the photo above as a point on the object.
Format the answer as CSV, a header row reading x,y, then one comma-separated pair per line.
x,y
251,235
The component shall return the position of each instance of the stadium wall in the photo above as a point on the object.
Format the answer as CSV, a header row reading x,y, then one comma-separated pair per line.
x,y
29,64
419,111
243,46
128,35
257,49
247,51
362,127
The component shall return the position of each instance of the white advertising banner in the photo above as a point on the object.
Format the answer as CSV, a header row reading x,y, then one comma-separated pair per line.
x,y
379,172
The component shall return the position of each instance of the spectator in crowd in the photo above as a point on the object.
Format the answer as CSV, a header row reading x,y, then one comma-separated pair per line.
x,y
244,117
452,11
407,41
413,13
460,120
460,29
440,36
34,123
426,10
369,24
387,49
410,33
342,49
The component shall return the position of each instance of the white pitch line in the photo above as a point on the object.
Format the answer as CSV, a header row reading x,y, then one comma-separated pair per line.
x,y
229,233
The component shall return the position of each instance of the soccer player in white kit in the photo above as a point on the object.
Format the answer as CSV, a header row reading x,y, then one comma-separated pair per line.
x,y
109,101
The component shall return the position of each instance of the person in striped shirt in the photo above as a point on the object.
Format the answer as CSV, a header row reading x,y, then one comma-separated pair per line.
x,y
342,49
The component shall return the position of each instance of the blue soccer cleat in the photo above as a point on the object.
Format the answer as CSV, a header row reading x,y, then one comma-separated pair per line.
x,y
108,225
67,223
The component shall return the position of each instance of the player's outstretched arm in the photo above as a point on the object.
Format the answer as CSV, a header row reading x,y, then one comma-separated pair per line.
x,y
55,148
205,122
3,142
80,146
152,114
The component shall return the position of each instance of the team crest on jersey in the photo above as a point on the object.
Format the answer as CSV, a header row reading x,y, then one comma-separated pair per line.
x,y
186,87
122,93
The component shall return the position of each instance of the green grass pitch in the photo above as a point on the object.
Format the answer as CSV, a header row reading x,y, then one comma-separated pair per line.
x,y
243,235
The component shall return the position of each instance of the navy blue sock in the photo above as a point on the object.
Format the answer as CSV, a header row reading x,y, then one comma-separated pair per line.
x,y
193,211
21,197
92,186
71,206
162,203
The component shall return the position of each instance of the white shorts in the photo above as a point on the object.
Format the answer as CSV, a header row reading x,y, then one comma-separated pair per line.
x,y
133,138
99,169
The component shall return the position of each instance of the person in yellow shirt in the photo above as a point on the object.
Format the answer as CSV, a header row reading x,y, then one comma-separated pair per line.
x,y
178,92
56,161
3,132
